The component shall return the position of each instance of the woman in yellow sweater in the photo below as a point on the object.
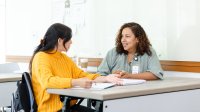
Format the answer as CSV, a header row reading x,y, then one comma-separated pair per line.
x,y
50,68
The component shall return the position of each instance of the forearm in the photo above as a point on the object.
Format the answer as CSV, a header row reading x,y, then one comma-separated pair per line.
x,y
100,79
144,75
74,82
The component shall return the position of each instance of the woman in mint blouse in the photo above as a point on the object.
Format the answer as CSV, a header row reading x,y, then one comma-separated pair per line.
x,y
133,57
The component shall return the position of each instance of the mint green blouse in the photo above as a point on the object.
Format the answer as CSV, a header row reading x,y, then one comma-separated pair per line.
x,y
114,61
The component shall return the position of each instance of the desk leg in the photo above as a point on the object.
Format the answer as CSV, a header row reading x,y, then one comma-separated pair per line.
x,y
89,102
98,105
66,105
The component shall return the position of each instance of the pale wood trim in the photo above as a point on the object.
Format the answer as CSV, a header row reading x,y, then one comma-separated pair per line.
x,y
92,61
182,66
13,58
167,65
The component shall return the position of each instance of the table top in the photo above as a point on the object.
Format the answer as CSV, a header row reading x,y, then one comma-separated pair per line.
x,y
169,84
10,77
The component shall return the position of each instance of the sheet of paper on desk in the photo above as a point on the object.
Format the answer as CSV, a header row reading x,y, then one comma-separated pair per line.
x,y
101,86
132,81
98,86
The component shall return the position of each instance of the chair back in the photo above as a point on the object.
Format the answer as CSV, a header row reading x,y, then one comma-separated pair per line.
x,y
23,98
32,104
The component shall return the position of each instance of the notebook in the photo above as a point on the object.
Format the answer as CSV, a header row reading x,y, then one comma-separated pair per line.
x,y
132,81
97,86
101,86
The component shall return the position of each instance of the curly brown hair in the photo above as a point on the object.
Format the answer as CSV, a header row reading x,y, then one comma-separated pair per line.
x,y
143,44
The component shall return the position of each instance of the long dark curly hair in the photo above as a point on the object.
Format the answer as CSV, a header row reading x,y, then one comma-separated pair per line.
x,y
143,44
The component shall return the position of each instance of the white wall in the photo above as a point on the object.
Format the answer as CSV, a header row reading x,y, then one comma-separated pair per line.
x,y
172,25
150,14
2,31
26,23
183,37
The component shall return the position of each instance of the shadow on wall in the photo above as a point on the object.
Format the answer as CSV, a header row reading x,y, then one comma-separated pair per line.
x,y
187,46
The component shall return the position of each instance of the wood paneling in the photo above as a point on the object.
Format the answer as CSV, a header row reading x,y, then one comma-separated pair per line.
x,y
182,66
92,61
167,65
12,58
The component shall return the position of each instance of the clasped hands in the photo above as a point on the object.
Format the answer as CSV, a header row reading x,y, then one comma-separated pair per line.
x,y
115,77
122,74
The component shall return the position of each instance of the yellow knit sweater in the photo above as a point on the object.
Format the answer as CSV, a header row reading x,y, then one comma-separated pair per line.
x,y
54,70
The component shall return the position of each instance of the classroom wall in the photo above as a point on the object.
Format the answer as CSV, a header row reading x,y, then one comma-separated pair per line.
x,y
26,23
183,33
171,25
2,31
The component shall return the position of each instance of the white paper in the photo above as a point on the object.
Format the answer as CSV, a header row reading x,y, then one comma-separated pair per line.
x,y
97,86
101,86
132,81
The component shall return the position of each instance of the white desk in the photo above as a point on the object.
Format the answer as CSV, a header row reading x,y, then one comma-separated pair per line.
x,y
173,94
7,86
9,77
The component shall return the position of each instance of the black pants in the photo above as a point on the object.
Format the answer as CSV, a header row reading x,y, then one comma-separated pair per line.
x,y
80,108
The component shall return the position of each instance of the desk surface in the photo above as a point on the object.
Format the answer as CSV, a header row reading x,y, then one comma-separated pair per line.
x,y
9,77
169,84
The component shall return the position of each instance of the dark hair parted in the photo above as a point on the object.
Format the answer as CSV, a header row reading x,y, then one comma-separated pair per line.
x,y
143,44
50,40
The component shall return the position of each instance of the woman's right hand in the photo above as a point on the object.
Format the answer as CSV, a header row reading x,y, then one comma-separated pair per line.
x,y
113,78
82,82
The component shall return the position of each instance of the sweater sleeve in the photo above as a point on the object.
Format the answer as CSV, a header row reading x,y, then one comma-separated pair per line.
x,y
41,66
